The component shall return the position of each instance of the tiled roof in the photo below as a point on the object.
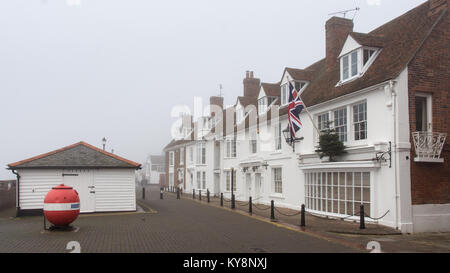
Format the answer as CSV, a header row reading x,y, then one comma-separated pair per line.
x,y
370,40
78,155
300,74
272,89
400,39
245,101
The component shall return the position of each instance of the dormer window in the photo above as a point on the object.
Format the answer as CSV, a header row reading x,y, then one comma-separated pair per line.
x,y
284,94
239,114
299,86
355,63
368,53
264,104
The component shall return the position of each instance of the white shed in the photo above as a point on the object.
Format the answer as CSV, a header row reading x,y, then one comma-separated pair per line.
x,y
104,181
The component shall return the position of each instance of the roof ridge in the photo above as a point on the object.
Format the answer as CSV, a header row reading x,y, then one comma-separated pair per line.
x,y
65,148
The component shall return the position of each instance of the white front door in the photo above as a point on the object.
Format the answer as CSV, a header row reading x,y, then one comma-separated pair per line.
x,y
257,186
83,182
248,185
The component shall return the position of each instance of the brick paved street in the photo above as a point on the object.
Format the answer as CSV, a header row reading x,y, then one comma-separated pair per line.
x,y
177,226
344,232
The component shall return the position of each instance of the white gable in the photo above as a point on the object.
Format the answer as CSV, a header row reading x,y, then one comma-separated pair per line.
x,y
262,93
286,77
349,45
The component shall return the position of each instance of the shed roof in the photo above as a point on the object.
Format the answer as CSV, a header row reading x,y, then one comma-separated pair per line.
x,y
78,155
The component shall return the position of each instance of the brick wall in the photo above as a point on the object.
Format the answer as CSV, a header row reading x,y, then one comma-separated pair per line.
x,y
7,194
429,73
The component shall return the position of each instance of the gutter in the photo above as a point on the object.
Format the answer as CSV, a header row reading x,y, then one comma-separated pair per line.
x,y
17,191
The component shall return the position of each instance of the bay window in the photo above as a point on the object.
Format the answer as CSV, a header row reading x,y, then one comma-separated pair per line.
x,y
338,192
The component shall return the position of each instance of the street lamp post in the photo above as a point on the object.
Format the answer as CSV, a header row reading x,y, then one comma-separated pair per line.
x,y
289,140
232,188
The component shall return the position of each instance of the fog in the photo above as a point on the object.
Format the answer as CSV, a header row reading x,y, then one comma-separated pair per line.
x,y
73,70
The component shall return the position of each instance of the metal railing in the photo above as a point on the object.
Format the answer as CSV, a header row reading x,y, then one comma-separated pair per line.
x,y
428,145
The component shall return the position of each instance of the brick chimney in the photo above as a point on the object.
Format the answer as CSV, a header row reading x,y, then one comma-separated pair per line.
x,y
437,6
215,100
336,32
251,85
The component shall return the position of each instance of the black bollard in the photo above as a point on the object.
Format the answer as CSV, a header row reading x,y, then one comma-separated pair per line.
x,y
221,199
161,191
200,195
232,202
143,193
250,209
207,195
193,194
272,210
362,225
178,193
302,219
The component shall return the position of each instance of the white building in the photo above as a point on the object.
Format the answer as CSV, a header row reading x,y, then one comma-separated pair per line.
x,y
373,91
104,181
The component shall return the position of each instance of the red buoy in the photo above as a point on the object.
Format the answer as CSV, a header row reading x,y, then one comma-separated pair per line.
x,y
61,205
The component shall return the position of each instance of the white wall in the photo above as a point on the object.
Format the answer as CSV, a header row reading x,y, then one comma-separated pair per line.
x,y
114,188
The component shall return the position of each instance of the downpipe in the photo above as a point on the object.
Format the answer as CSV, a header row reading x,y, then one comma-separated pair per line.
x,y
17,192
394,152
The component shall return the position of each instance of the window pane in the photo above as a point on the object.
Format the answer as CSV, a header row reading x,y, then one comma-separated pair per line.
x,y
354,63
345,67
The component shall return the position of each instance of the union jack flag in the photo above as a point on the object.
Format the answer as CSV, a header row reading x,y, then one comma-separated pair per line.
x,y
295,108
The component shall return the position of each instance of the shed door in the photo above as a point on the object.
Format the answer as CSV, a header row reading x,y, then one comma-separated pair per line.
x,y
83,182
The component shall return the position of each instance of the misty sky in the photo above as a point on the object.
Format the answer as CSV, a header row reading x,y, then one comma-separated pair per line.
x,y
73,70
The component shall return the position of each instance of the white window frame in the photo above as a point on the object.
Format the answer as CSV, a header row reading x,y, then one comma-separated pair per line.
x,y
359,122
171,158
230,148
345,125
284,94
263,105
201,153
361,68
198,180
253,142
278,137
277,181
204,180
182,156
330,192
191,154
429,105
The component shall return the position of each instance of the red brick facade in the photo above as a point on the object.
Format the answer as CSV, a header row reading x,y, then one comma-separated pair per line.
x,y
176,166
429,73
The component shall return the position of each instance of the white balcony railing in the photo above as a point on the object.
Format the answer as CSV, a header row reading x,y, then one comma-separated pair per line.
x,y
428,146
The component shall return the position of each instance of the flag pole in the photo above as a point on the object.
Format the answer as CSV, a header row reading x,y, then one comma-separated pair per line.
x,y
309,115
306,109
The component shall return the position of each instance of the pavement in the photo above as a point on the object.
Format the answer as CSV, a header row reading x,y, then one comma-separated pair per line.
x,y
168,225
190,226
